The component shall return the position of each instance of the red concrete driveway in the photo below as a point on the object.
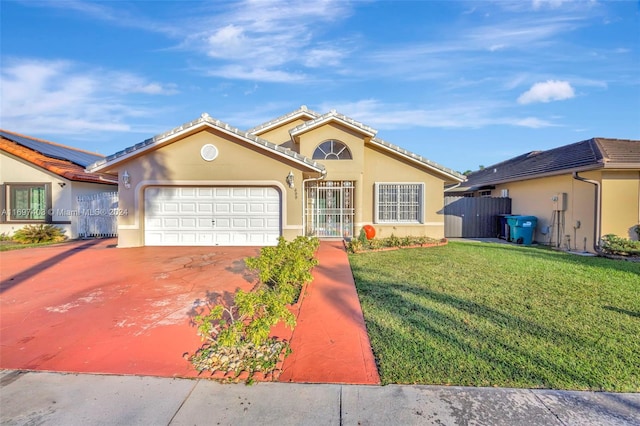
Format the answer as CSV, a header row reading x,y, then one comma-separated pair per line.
x,y
87,306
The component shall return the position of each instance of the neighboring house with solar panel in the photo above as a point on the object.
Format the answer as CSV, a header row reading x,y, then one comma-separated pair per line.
x,y
578,192
40,182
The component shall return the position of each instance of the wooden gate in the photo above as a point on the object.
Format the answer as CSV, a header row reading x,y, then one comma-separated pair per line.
x,y
474,217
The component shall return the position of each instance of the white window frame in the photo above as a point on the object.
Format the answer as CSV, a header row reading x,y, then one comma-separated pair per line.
x,y
377,204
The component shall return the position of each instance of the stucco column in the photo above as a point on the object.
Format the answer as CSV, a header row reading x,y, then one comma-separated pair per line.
x,y
359,204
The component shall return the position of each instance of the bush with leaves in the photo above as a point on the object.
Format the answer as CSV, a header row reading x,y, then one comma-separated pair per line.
x,y
358,245
40,233
246,324
287,266
612,244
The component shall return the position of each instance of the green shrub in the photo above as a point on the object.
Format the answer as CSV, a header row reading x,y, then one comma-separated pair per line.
x,y
612,244
354,246
247,323
287,266
40,233
392,241
5,237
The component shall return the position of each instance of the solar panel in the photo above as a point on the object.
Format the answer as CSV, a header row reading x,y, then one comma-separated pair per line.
x,y
54,151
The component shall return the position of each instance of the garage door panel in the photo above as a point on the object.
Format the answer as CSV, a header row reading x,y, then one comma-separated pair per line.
x,y
170,222
205,207
223,207
170,207
240,223
239,193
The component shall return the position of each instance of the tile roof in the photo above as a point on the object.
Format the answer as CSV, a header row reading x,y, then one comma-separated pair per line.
x,y
53,150
330,116
617,152
589,154
205,120
60,167
300,112
418,158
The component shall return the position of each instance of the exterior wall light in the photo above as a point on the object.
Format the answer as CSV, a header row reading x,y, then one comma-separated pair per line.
x,y
126,179
289,180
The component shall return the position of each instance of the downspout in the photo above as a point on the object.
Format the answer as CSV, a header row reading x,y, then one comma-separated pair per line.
x,y
323,174
597,213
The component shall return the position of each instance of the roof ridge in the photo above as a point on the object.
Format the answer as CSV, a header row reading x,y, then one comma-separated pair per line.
x,y
334,113
205,117
283,118
52,143
418,157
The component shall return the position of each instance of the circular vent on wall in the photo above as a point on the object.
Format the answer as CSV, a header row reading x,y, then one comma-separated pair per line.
x,y
209,152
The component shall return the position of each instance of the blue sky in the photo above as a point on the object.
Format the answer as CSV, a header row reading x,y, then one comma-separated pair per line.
x,y
462,83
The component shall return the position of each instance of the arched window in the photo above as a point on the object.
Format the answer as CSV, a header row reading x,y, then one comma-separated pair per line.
x,y
332,150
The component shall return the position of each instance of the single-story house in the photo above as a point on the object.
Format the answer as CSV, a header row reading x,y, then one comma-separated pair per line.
x,y
578,192
40,182
304,173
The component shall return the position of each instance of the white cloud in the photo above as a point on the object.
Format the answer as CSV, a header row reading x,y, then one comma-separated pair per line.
x,y
471,115
323,57
62,97
532,122
550,90
240,72
265,40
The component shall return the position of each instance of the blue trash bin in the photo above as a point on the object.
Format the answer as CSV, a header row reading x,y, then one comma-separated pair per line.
x,y
522,228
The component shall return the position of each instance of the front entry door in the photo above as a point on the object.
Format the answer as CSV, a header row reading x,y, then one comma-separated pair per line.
x,y
329,208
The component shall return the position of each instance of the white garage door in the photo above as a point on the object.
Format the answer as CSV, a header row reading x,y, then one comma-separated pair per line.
x,y
210,216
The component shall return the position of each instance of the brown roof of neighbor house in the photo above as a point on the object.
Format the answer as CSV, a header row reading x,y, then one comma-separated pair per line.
x,y
52,163
595,153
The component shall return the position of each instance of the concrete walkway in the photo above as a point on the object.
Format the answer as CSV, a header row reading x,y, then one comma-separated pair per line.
x,y
330,343
72,399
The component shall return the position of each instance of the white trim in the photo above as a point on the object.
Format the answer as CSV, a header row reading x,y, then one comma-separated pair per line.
x,y
209,152
321,122
190,129
415,160
278,123
376,212
141,186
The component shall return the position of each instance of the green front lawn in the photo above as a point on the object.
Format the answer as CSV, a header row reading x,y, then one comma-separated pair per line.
x,y
498,315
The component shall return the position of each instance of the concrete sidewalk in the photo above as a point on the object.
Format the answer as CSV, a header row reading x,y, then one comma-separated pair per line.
x,y
82,399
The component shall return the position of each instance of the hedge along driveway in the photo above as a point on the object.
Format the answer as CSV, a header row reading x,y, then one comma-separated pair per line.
x,y
497,315
87,306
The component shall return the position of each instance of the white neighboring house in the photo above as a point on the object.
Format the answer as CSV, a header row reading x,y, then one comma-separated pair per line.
x,y
40,182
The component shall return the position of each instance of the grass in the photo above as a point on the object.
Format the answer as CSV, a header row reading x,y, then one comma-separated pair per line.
x,y
496,315
12,245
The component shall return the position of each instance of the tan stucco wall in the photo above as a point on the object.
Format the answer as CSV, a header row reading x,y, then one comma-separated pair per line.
x,y
370,165
180,163
620,203
380,167
63,198
534,197
280,134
